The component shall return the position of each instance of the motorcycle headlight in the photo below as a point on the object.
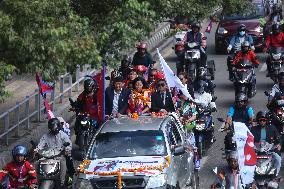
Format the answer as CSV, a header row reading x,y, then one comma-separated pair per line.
x,y
258,29
222,31
196,55
156,181
261,170
200,126
276,56
83,183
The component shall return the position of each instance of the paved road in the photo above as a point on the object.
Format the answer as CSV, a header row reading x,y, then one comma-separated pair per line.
x,y
225,94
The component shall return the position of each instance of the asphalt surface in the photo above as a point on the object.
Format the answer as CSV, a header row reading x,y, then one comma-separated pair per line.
x,y
225,94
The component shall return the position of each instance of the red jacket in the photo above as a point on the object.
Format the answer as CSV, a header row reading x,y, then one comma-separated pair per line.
x,y
88,105
251,56
16,171
274,40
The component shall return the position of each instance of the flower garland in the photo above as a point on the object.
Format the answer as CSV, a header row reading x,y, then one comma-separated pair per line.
x,y
81,169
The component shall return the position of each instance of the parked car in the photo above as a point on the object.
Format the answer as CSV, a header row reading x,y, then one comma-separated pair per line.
x,y
229,24
148,153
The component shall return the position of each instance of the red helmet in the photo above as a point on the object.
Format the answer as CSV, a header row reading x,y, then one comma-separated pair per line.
x,y
140,68
141,45
159,76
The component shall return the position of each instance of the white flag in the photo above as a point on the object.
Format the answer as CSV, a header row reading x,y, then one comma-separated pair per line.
x,y
171,78
246,154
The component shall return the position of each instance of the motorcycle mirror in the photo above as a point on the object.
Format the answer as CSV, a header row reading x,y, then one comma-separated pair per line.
x,y
107,78
66,144
221,119
266,93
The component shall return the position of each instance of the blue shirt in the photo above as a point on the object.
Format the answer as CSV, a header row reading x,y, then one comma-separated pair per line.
x,y
232,111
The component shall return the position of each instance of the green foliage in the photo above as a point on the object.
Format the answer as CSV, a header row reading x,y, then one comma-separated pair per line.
x,y
5,74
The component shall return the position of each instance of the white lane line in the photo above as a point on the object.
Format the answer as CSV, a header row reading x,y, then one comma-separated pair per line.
x,y
263,68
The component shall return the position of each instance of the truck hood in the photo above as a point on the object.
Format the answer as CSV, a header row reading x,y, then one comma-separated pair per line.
x,y
123,164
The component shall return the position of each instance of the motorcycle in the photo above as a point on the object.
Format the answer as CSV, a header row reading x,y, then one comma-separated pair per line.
x,y
244,78
276,62
179,40
49,167
203,130
265,172
192,58
202,74
84,127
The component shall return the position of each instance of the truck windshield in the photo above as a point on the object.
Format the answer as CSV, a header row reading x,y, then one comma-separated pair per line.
x,y
128,144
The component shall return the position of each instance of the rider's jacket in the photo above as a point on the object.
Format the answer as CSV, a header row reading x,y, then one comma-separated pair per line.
x,y
19,174
237,40
251,56
145,60
272,135
274,40
54,141
240,114
196,37
87,104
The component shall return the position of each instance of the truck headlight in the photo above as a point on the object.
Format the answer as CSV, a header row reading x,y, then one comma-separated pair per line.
x,y
83,183
156,181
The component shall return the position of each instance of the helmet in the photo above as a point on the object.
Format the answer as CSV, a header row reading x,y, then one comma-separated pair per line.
x,y
126,60
245,47
275,28
201,72
242,27
159,76
54,126
141,45
195,24
140,68
201,86
89,84
19,150
261,114
241,97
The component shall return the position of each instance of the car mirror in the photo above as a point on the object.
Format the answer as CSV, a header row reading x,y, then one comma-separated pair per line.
x,y
179,150
78,155
221,119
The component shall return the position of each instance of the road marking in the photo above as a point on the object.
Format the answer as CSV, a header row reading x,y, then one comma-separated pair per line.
x,y
263,68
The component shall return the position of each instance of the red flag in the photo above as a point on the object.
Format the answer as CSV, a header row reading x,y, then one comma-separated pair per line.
x,y
44,87
209,27
250,155
50,114
100,79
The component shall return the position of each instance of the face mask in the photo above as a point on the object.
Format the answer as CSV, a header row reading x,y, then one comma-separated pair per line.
x,y
242,33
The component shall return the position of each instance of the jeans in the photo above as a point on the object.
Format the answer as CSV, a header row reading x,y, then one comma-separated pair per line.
x,y
277,161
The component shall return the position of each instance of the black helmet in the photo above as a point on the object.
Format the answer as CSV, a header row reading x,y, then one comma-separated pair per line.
x,y
242,27
54,126
201,72
19,150
126,60
275,28
261,114
90,85
245,47
241,97
195,24
201,85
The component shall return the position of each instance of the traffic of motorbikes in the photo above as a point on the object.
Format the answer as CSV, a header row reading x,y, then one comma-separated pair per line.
x,y
136,81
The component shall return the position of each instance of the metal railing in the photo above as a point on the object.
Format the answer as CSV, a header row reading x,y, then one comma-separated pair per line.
x,y
19,117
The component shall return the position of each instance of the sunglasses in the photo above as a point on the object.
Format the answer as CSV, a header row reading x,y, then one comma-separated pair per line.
x,y
262,119
161,84
181,78
242,30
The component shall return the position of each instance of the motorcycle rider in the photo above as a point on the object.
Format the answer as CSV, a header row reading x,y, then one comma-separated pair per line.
x,y
266,132
56,138
276,39
246,53
125,68
239,112
196,36
201,75
277,88
19,172
235,45
205,100
142,57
